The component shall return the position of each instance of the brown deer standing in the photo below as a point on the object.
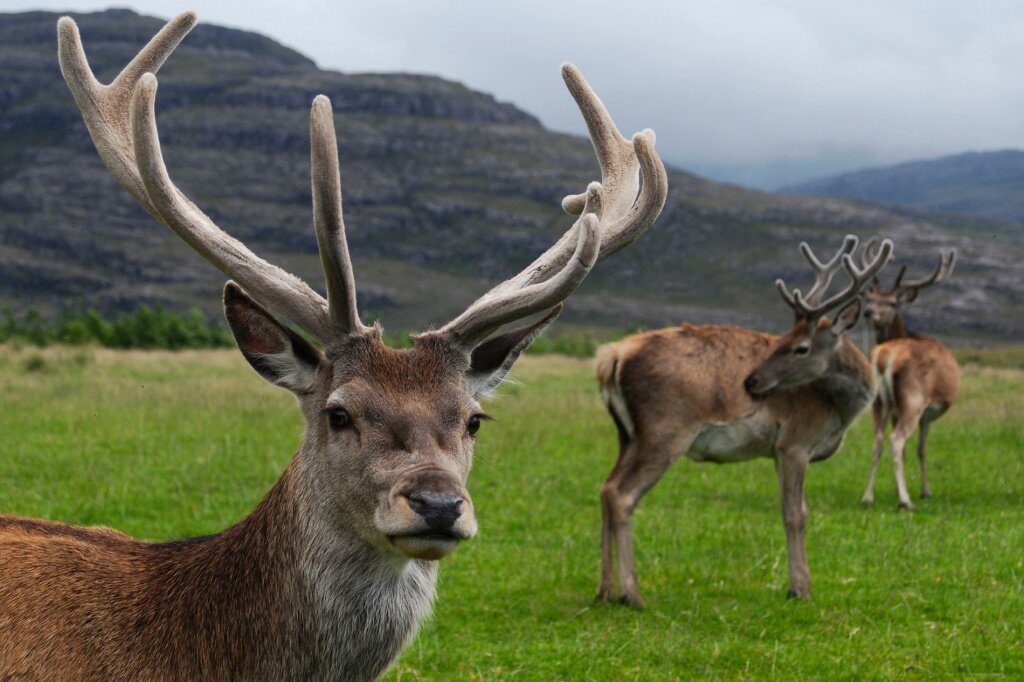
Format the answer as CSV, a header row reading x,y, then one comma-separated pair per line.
x,y
727,394
331,574
918,377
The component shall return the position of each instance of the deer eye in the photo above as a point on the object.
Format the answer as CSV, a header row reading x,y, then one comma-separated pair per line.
x,y
801,350
338,418
473,425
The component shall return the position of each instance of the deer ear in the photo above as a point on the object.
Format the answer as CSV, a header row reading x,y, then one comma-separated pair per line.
x,y
278,354
847,317
492,359
907,295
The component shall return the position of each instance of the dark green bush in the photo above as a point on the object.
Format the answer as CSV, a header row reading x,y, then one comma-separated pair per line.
x,y
151,328
145,328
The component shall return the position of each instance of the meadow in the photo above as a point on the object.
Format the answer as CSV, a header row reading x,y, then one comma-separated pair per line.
x,y
165,444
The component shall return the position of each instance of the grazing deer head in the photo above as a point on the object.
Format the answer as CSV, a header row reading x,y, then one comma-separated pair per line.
x,y
805,352
330,575
882,304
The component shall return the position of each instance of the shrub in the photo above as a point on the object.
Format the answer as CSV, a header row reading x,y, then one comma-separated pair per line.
x,y
145,328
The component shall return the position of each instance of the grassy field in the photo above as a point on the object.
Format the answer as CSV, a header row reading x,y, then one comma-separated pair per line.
x,y
164,445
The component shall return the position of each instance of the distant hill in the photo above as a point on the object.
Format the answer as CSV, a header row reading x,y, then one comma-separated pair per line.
x,y
447,191
986,184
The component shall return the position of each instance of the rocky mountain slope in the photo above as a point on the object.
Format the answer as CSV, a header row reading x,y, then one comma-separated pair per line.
x,y
447,191
985,184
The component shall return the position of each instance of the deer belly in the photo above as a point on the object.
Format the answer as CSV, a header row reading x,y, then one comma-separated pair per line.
x,y
733,441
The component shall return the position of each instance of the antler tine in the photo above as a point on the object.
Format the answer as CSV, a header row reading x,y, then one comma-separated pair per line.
x,y
280,291
859,277
627,201
122,123
824,272
812,310
105,107
633,176
785,293
502,305
899,278
328,220
865,253
947,261
491,313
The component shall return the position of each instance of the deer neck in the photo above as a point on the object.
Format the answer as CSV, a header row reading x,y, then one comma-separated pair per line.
x,y
896,329
307,598
362,605
848,382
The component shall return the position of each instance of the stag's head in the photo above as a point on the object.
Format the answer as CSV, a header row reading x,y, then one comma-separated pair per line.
x,y
389,433
806,351
882,304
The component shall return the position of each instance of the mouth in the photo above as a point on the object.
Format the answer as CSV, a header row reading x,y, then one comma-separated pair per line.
x,y
762,392
431,545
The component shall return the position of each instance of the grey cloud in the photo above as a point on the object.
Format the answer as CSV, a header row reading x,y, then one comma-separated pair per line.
x,y
743,90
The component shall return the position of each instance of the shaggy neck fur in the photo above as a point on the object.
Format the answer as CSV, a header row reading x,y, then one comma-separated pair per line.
x,y
284,595
848,382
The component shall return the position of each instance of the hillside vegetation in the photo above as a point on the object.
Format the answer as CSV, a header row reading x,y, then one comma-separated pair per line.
x,y
446,192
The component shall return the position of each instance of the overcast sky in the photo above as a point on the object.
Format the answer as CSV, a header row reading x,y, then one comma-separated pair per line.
x,y
758,93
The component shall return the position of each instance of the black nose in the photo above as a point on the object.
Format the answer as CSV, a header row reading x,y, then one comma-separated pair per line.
x,y
750,383
438,510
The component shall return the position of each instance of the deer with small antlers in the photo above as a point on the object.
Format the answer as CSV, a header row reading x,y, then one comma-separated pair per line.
x,y
918,377
330,575
726,394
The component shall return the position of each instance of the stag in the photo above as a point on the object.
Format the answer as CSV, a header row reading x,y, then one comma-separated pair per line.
x,y
726,394
330,575
918,377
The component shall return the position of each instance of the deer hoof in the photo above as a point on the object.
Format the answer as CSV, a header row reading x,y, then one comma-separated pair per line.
x,y
906,506
605,594
926,494
632,600
867,501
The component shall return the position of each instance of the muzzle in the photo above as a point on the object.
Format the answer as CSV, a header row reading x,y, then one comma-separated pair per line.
x,y
427,514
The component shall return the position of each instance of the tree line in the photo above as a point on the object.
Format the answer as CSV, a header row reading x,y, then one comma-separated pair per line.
x,y
146,328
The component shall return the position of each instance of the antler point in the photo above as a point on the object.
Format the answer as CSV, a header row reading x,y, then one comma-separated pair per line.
x,y
322,106
147,85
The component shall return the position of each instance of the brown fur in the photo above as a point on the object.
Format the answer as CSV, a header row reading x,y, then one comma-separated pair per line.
x,y
918,376
681,391
82,603
919,380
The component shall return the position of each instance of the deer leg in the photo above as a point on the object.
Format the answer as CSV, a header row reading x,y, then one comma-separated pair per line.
x,y
607,591
922,439
791,470
878,415
634,484
638,472
898,442
606,588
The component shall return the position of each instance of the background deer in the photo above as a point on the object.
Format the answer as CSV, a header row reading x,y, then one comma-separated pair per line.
x,y
918,377
330,575
727,394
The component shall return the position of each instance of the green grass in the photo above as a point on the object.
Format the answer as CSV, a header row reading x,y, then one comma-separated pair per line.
x,y
164,445
1009,357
